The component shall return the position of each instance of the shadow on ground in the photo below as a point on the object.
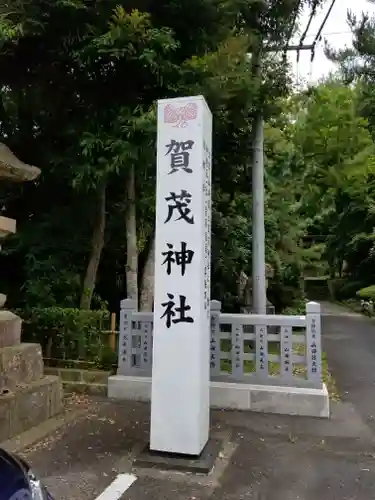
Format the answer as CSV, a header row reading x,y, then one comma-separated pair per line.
x,y
265,457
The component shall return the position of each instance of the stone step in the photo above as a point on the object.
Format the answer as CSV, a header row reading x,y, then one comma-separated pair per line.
x,y
29,406
10,329
20,365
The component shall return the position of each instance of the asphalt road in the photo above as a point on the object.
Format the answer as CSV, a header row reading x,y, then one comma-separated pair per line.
x,y
349,341
265,457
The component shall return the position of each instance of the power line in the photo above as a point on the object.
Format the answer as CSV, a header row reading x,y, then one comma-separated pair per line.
x,y
294,19
324,21
287,48
258,227
312,15
317,37
332,33
319,33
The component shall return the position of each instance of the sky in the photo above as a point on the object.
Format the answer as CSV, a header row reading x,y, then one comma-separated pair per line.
x,y
336,32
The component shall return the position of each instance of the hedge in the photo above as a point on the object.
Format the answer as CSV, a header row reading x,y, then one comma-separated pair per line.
x,y
367,293
342,289
70,334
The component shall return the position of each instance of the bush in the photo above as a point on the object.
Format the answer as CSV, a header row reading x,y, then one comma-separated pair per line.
x,y
342,289
367,293
68,334
297,309
285,289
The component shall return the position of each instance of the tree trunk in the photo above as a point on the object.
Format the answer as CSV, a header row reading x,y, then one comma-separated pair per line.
x,y
97,244
147,285
131,240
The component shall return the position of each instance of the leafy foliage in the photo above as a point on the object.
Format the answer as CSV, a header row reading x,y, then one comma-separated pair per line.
x,y
367,293
68,333
78,85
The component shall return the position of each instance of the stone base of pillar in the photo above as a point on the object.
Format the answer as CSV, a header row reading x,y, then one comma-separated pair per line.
x,y
27,396
201,464
10,329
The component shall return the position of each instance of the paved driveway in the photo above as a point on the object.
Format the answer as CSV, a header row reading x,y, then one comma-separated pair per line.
x,y
265,457
349,341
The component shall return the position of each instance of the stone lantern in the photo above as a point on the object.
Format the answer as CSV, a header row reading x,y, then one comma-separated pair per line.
x,y
245,291
27,397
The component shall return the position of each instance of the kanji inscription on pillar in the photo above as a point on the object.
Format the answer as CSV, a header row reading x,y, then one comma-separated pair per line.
x,y
180,384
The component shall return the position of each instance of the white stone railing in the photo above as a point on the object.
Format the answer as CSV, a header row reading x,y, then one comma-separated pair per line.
x,y
246,348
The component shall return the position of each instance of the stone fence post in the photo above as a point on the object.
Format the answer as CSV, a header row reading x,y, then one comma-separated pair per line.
x,y
313,343
125,346
215,338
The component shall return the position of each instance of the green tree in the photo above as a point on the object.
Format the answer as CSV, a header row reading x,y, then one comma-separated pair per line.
x,y
336,150
79,81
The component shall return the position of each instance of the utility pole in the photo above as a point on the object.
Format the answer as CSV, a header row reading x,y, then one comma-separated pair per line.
x,y
258,233
258,240
259,288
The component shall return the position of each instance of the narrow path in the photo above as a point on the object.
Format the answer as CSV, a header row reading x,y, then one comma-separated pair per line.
x,y
349,341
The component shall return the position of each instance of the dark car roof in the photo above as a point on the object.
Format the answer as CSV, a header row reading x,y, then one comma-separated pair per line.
x,y
13,481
